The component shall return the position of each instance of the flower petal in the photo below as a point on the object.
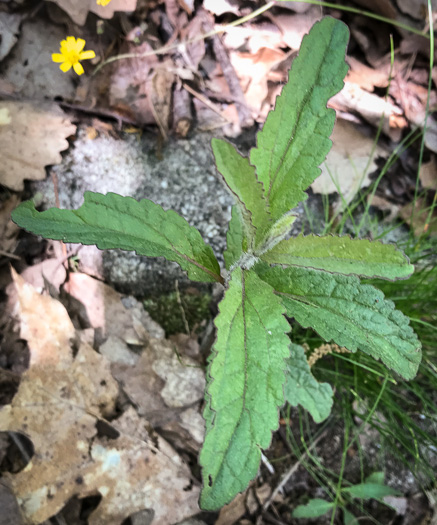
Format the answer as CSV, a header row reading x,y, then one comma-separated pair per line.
x,y
87,55
80,44
66,66
78,68
70,42
58,57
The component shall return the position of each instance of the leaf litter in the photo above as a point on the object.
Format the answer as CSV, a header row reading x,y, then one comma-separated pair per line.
x,y
66,391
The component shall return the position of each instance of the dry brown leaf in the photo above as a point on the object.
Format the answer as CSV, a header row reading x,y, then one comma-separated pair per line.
x,y
219,7
188,5
33,139
253,72
8,229
417,9
416,215
100,307
233,511
252,37
295,27
50,272
366,77
160,98
78,9
143,474
31,70
345,167
412,98
353,99
160,381
383,7
45,325
428,174
195,51
131,82
385,205
57,406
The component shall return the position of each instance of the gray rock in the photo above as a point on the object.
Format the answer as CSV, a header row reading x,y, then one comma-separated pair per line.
x,y
183,180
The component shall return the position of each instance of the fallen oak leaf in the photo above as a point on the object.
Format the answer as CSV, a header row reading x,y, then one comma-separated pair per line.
x,y
58,405
32,139
78,9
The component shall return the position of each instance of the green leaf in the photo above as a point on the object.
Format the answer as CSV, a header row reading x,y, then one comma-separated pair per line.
x,y
349,518
246,378
234,238
313,509
376,477
276,233
112,221
351,314
240,178
370,491
302,388
295,138
342,255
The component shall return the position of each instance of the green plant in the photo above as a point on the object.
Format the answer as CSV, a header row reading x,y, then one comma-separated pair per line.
x,y
311,279
372,488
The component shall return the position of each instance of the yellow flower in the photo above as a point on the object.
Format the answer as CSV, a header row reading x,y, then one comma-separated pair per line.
x,y
71,53
103,2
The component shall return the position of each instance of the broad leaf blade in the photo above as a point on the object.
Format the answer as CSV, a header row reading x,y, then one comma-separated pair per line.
x,y
370,491
234,238
246,378
313,509
240,178
295,138
349,518
302,388
342,255
112,221
351,314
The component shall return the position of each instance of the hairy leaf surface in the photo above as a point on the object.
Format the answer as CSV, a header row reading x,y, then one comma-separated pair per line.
x,y
112,221
246,378
302,388
234,238
351,314
295,138
342,255
240,178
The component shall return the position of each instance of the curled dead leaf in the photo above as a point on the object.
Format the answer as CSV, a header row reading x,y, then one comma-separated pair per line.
x,y
32,139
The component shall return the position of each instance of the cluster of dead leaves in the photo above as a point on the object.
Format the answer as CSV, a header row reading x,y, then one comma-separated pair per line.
x,y
70,393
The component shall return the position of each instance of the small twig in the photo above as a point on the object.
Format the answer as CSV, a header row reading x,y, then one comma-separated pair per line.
x,y
99,112
229,72
166,48
10,255
181,306
19,444
207,102
267,464
291,471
